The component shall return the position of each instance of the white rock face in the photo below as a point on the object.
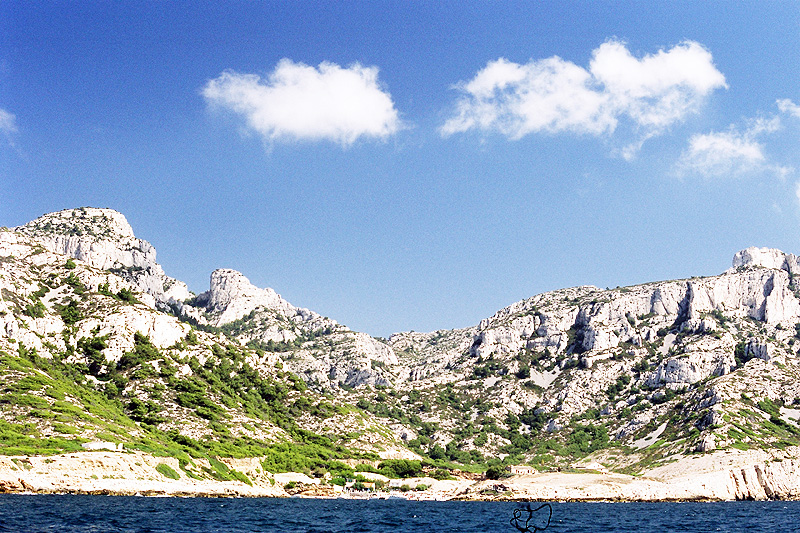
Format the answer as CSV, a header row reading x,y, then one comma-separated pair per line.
x,y
760,349
342,357
26,262
691,368
231,296
762,294
707,444
593,328
765,258
120,326
102,238
345,358
776,480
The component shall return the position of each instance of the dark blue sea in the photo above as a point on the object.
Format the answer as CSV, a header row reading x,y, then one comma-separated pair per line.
x,y
108,514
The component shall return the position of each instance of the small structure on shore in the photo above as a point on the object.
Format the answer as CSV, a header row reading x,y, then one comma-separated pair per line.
x,y
594,465
521,470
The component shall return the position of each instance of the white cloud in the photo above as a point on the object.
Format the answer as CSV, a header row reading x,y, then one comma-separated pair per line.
x,y
659,89
789,107
731,152
301,102
717,154
8,125
548,95
797,190
554,95
8,122
763,125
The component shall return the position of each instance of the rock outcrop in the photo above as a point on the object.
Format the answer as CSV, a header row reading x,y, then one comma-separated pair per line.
x,y
768,481
128,474
766,258
701,365
327,355
102,238
231,297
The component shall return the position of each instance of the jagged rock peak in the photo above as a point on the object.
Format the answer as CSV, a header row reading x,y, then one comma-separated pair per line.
x,y
766,258
82,221
231,296
229,285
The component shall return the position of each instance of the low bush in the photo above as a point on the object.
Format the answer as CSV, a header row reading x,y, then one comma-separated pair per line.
x,y
167,471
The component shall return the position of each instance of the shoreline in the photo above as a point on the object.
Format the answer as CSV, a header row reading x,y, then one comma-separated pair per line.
x,y
722,476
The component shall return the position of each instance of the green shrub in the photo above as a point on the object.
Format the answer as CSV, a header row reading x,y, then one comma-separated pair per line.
x,y
400,468
440,474
768,406
74,281
36,309
126,295
740,354
70,313
496,472
143,350
222,472
92,348
43,289
587,439
167,471
105,290
535,418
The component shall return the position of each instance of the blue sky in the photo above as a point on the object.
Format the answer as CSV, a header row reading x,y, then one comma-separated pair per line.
x,y
411,165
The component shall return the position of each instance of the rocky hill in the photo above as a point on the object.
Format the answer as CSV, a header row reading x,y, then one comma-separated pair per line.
x,y
99,344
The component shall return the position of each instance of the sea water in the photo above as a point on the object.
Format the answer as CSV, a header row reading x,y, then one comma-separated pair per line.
x,y
101,514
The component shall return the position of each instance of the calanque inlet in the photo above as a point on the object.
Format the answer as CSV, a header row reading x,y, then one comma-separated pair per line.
x,y
116,379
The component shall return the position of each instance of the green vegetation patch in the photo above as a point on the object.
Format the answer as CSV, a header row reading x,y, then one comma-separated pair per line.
x,y
167,471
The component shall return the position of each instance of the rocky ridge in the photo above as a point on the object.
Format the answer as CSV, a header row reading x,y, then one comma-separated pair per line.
x,y
632,377
102,238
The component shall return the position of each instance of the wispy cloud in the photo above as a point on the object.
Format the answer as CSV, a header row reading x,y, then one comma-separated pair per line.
x,y
793,110
789,107
722,153
554,95
302,102
8,125
733,152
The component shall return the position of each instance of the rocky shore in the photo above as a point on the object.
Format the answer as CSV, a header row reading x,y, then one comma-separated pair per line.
x,y
720,476
725,475
125,473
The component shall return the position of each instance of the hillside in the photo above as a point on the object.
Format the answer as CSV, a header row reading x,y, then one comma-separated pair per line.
x,y
99,344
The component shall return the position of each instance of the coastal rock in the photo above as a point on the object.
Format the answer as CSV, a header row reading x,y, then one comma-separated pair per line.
x,y
104,239
117,473
770,481
707,444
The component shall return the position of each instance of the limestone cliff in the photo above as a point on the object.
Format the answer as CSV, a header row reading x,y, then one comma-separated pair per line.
x,y
102,238
630,377
325,353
